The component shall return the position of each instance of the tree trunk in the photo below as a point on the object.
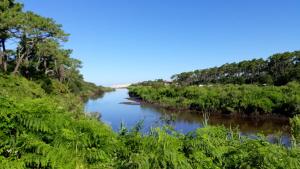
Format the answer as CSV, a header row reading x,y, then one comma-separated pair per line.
x,y
19,61
61,73
38,64
45,64
3,56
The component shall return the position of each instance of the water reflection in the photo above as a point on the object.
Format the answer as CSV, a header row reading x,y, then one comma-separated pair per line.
x,y
115,109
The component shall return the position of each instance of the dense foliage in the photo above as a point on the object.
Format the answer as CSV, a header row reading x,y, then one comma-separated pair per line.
x,y
249,87
40,130
37,52
278,69
241,99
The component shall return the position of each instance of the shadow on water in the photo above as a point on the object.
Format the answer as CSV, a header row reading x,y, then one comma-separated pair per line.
x,y
115,109
245,124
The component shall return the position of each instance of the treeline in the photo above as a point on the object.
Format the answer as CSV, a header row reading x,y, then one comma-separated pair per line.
x,y
31,46
255,87
42,131
278,69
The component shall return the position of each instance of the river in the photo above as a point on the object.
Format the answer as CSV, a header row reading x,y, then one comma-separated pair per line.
x,y
115,108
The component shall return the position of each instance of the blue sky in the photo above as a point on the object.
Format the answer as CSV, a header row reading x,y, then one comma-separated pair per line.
x,y
122,41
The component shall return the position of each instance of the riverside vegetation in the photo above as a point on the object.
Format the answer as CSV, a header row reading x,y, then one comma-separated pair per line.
x,y
41,130
228,99
256,87
43,125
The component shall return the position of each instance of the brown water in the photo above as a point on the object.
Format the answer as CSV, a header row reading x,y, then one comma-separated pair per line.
x,y
115,109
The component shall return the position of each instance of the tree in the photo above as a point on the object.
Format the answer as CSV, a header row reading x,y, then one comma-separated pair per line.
x,y
9,23
35,30
38,52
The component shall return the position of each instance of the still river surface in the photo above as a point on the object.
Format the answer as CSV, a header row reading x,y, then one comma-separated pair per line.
x,y
115,108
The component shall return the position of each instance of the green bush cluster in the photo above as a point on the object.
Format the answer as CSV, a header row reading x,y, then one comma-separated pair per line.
x,y
39,133
241,99
295,122
90,90
20,87
40,130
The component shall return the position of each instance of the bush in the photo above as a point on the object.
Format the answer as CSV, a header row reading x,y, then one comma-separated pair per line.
x,y
243,99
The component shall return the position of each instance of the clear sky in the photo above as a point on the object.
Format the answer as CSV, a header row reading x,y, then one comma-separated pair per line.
x,y
122,41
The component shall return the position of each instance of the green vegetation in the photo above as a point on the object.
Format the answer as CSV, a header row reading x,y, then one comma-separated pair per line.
x,y
278,69
37,53
40,130
256,87
241,99
43,125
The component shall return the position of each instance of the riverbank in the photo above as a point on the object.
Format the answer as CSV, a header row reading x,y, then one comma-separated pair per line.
x,y
181,110
237,100
269,124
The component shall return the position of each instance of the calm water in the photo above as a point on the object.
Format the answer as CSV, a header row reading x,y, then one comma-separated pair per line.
x,y
115,108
